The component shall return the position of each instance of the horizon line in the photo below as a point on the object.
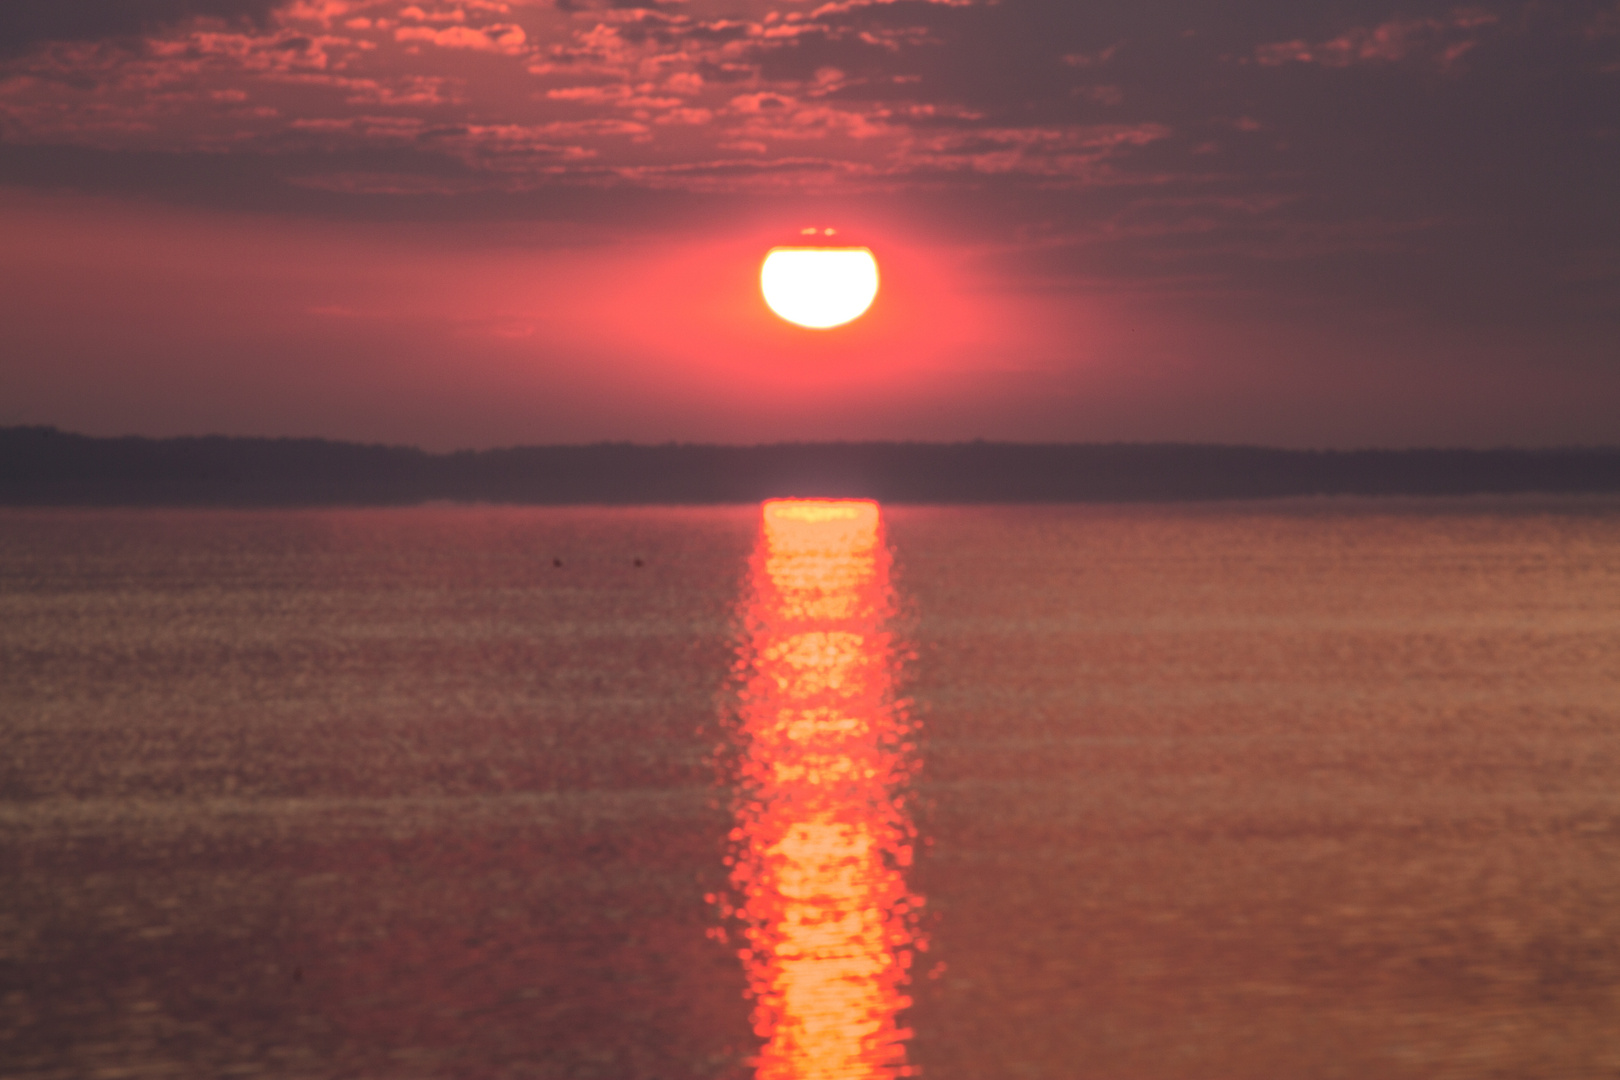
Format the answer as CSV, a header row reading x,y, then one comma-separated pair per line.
x,y
977,441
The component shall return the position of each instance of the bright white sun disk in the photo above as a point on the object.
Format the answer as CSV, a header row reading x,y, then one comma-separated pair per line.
x,y
819,287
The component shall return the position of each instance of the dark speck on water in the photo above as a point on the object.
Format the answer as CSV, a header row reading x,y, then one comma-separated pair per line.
x,y
1311,789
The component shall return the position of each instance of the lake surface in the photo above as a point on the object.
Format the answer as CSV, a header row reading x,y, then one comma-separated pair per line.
x,y
1302,789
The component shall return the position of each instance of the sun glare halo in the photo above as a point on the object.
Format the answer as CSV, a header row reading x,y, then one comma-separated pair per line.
x,y
819,287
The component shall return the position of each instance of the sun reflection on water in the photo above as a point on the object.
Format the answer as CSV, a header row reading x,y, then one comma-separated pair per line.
x,y
823,835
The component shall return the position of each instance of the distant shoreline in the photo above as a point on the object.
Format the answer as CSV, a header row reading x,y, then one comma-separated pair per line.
x,y
42,466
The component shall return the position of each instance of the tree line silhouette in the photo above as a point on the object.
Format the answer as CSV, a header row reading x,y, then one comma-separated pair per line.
x,y
44,466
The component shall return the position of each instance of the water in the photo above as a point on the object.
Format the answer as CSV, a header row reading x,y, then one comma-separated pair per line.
x,y
1314,789
822,775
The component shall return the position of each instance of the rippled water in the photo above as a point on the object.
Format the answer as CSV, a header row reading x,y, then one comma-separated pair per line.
x,y
1314,789
822,778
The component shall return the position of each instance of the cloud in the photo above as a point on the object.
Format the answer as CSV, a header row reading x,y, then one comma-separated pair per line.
x,y
1076,152
1441,41
496,37
27,23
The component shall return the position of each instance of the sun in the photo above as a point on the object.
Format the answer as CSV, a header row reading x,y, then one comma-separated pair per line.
x,y
819,287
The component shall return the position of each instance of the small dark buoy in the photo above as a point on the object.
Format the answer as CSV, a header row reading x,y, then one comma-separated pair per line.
x,y
556,562
638,562
298,974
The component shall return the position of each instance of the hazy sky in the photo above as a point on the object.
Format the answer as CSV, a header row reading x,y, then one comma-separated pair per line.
x,y
481,223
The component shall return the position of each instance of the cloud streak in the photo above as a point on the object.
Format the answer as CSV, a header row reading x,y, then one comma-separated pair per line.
x,y
25,24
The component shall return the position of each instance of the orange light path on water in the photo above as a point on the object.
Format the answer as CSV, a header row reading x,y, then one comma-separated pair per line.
x,y
823,835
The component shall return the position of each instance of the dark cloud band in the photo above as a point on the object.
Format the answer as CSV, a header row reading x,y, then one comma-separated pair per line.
x,y
26,23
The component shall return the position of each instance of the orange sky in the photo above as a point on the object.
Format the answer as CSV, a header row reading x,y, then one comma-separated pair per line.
x,y
480,223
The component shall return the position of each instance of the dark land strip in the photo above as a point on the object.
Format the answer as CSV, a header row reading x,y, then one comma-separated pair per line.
x,y
42,466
